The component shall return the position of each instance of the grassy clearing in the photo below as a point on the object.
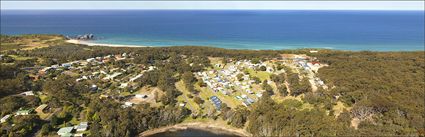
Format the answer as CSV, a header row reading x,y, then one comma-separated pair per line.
x,y
43,98
263,75
125,93
183,98
29,42
339,108
9,46
215,60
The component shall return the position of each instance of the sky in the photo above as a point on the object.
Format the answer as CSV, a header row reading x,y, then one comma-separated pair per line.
x,y
212,5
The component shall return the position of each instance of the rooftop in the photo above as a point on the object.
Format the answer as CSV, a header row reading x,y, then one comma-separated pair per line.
x,y
65,130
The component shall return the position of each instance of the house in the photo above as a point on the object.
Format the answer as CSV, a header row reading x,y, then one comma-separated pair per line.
x,y
216,101
28,93
111,77
123,85
5,118
66,65
244,96
151,68
250,100
79,135
90,59
82,127
225,92
320,82
136,77
65,131
127,104
182,104
24,112
55,66
41,108
259,95
246,103
93,87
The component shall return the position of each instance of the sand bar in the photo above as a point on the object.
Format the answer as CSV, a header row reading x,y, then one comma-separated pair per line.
x,y
209,126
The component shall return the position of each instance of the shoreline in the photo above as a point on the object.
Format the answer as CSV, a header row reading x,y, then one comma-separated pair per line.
x,y
88,43
209,127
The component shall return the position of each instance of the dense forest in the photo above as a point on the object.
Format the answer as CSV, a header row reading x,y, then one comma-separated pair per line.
x,y
385,91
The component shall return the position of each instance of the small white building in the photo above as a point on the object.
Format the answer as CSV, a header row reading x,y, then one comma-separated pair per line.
x,y
123,85
28,93
23,112
90,59
65,131
244,96
5,118
127,104
82,127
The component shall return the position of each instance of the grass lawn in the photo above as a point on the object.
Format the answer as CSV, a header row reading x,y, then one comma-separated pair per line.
x,y
43,98
125,93
263,75
183,98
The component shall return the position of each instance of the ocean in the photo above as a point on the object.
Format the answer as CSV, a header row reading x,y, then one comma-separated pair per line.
x,y
232,29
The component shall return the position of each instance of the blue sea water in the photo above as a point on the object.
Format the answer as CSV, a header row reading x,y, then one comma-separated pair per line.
x,y
233,29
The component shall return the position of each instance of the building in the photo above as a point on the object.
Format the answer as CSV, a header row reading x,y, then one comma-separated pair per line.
x,y
250,100
127,104
246,103
41,108
259,95
136,77
66,65
24,112
79,135
93,88
90,59
216,101
111,77
5,118
82,127
65,131
28,93
123,85
182,104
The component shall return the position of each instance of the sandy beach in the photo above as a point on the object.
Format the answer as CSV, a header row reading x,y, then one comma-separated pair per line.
x,y
209,126
88,43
